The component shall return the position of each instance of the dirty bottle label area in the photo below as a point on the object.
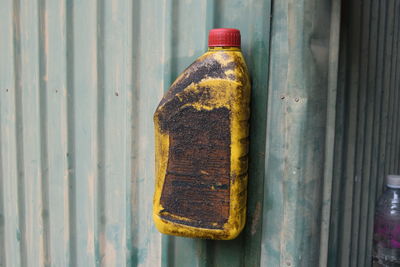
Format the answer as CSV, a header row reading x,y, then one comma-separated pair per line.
x,y
386,242
198,174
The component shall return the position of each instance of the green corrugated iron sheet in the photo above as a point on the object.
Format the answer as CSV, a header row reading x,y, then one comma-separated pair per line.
x,y
367,126
80,80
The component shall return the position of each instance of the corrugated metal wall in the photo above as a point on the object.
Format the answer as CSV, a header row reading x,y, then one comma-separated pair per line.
x,y
367,129
80,80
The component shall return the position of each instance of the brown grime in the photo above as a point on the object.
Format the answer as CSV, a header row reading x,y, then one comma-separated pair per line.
x,y
199,140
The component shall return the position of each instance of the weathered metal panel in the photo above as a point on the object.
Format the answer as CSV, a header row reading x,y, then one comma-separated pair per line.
x,y
10,233
80,80
297,131
53,27
79,84
367,137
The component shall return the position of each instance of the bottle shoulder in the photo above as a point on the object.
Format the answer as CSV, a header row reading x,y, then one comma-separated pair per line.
x,y
225,66
219,64
389,202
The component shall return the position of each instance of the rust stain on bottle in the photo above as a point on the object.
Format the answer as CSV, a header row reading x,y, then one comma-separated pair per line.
x,y
198,173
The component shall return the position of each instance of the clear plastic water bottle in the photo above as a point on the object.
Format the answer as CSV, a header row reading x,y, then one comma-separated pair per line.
x,y
386,249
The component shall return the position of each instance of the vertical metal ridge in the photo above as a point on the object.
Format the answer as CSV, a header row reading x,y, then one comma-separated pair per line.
x,y
171,42
350,136
336,212
57,131
368,129
333,66
392,103
130,90
31,130
397,155
167,251
43,50
85,120
169,49
396,149
217,8
377,128
19,131
361,124
396,119
271,186
395,113
210,23
3,255
100,245
9,174
386,77
133,180
209,257
395,158
395,105
203,253
71,131
129,61
394,89
379,172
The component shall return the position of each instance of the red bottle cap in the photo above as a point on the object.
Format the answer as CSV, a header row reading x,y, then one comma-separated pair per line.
x,y
224,37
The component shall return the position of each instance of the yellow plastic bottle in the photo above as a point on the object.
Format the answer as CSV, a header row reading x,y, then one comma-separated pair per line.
x,y
201,131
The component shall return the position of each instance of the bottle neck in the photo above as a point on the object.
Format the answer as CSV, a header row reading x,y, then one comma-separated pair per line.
x,y
223,48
